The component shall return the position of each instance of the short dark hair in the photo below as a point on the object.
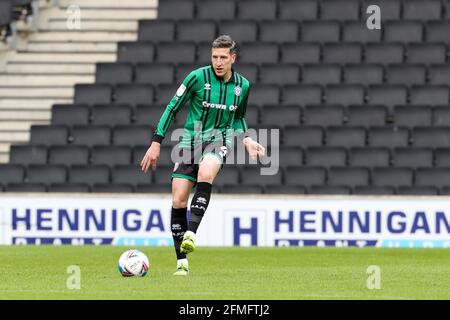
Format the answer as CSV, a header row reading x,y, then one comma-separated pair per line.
x,y
225,41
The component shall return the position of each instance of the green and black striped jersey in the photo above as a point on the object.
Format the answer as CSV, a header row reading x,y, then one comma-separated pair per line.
x,y
216,110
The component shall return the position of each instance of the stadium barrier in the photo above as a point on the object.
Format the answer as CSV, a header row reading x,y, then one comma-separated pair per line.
x,y
231,220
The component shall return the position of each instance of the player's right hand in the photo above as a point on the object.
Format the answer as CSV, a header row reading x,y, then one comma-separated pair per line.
x,y
151,157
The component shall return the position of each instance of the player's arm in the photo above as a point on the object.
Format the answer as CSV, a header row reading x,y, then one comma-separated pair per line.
x,y
182,95
240,128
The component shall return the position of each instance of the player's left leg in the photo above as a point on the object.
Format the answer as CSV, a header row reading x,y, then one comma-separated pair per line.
x,y
208,169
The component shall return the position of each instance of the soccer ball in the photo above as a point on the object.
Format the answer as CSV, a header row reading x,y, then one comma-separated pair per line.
x,y
133,263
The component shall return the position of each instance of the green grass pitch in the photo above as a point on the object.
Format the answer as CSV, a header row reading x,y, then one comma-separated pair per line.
x,y
40,272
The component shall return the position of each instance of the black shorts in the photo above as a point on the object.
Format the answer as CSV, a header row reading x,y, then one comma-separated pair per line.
x,y
189,169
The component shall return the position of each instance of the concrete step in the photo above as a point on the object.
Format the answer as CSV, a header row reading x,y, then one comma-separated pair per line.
x,y
4,157
108,47
73,68
109,13
15,136
110,3
82,36
58,58
35,104
23,114
37,92
97,25
39,80
20,125
4,147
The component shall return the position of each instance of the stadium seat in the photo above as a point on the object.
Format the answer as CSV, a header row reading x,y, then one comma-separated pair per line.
x,y
305,176
323,190
11,173
156,30
277,189
342,53
257,10
390,9
298,10
69,187
350,177
176,52
403,31
420,10
303,136
290,156
272,115
48,135
345,94
363,74
27,154
251,175
279,74
112,114
301,94
387,95
134,94
259,53
89,174
392,177
163,174
431,137
196,30
248,70
26,187
264,94
432,177
366,115
230,175
240,31
340,10
135,52
426,53
441,116
111,155
320,31
183,69
176,9
353,31
406,74
384,53
46,174
155,73
153,188
438,31
114,73
68,155
132,175
323,115
242,189
165,93
412,157
91,135
418,190
70,114
345,137
133,135
439,74
369,157
252,115
326,157
429,95
300,53
92,93
444,191
218,9
442,157
412,116
112,188
279,31
373,190
389,137
321,74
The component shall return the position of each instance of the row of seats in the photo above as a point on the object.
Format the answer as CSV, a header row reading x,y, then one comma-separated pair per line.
x,y
293,31
289,53
281,73
291,136
305,9
297,176
267,116
388,94
287,156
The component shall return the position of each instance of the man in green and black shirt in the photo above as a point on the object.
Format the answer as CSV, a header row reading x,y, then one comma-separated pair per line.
x,y
218,100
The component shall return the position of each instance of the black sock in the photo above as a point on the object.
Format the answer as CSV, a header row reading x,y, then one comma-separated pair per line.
x,y
199,205
178,224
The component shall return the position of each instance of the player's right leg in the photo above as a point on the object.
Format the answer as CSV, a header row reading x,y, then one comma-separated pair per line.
x,y
181,189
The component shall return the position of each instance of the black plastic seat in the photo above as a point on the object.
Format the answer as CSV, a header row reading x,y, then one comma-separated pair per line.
x,y
280,115
412,157
345,94
89,174
240,31
27,154
298,10
133,94
113,114
264,94
300,52
426,53
196,30
420,10
342,53
439,74
429,95
441,116
131,174
231,175
305,176
442,157
11,173
363,74
176,52
438,31
369,157
91,135
46,174
49,135
373,190
323,115
326,157
251,175
302,94
390,9
346,137
283,189
390,137
70,114
320,31
114,73
392,177
68,155
92,93
384,53
412,116
437,137
418,191
387,95
260,52
366,115
432,177
134,135
279,74
176,9
321,74
330,190
340,10
135,52
279,31
220,10
155,73
26,187
291,156
406,74
69,187
350,177
355,31
303,136
156,30
403,31
257,9
110,155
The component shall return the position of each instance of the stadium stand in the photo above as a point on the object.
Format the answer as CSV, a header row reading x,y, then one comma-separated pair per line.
x,y
360,111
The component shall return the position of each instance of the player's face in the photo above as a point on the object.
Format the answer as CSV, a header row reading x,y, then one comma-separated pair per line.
x,y
222,61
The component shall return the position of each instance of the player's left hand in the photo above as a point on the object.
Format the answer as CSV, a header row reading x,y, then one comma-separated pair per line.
x,y
254,149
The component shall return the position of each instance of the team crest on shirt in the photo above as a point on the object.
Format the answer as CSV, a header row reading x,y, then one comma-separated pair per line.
x,y
207,86
237,91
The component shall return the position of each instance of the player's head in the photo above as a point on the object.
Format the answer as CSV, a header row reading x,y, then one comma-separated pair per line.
x,y
223,55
